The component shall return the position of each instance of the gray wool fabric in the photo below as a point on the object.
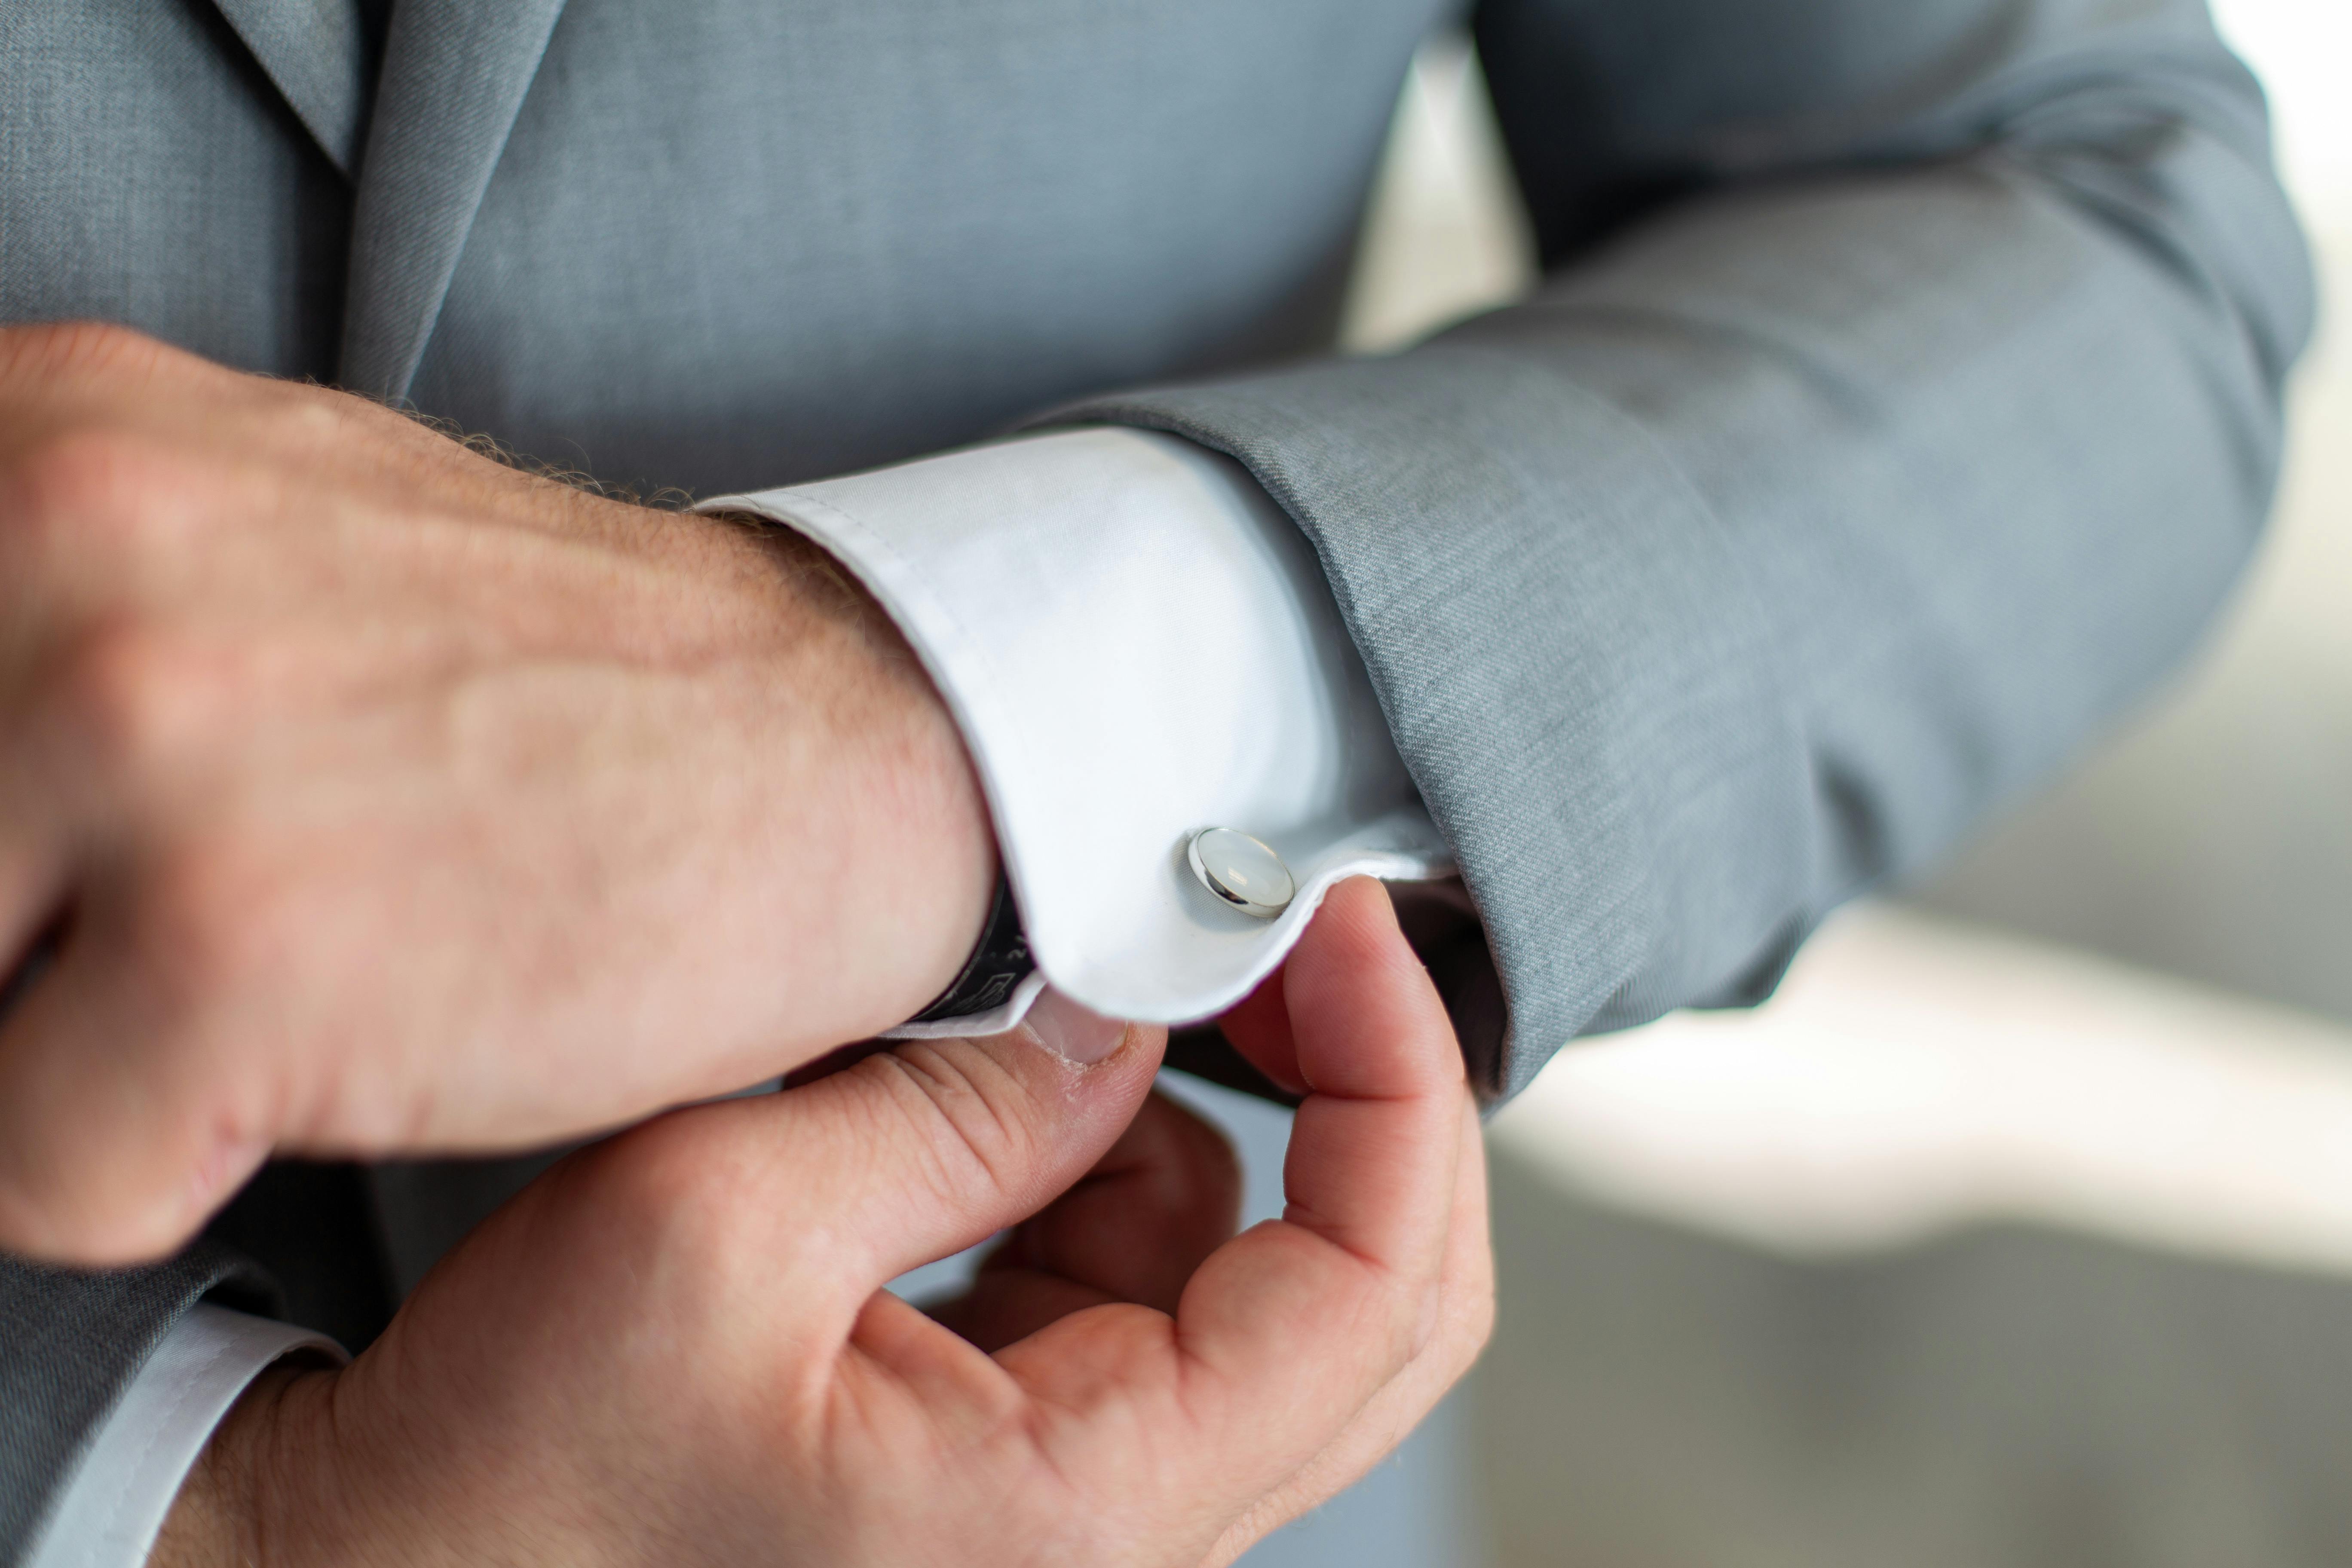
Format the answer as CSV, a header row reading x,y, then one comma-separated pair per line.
x,y
1901,398
73,1341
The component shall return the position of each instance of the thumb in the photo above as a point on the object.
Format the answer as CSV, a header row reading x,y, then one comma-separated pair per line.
x,y
928,1148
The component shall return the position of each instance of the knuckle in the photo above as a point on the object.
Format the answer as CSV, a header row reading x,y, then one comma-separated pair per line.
x,y
132,690
1478,1328
640,1181
97,488
661,1190
973,1121
1466,1317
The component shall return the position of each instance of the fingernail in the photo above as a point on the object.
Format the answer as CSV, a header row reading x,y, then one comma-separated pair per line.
x,y
1071,1032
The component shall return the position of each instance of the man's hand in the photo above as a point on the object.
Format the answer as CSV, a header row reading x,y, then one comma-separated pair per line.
x,y
673,1350
377,796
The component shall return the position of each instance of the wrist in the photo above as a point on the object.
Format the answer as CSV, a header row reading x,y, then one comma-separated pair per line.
x,y
921,856
249,1501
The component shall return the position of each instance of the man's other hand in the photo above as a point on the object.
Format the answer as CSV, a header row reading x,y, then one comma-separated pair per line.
x,y
673,1349
368,794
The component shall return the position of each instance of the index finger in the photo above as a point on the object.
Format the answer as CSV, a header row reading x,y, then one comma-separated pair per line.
x,y
1369,1173
1287,1330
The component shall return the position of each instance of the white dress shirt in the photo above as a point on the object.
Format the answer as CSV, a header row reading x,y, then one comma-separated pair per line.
x,y
1138,644
113,1508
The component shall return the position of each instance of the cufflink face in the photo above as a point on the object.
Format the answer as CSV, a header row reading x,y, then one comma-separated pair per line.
x,y
1240,871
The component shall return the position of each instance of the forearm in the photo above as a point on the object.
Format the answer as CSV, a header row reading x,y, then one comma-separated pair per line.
x,y
1984,465
627,790
1777,541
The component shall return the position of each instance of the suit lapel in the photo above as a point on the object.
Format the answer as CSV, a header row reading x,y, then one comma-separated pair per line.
x,y
316,54
454,75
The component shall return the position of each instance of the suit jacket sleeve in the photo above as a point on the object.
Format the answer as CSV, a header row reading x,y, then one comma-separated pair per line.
x,y
74,1343
1901,398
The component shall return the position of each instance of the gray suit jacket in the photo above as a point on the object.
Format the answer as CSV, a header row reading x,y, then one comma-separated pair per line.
x,y
1902,398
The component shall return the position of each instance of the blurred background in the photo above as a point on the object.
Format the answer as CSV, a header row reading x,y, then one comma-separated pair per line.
x,y
2017,1228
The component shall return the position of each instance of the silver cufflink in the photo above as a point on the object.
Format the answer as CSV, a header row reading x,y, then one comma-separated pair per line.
x,y
1240,871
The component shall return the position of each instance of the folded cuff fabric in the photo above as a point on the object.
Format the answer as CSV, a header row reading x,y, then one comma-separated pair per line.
x,y
115,1505
1138,644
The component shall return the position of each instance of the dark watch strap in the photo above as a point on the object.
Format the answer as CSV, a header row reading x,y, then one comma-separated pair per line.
x,y
998,964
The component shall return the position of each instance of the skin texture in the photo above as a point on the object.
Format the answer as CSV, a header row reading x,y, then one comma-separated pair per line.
x,y
674,1347
374,795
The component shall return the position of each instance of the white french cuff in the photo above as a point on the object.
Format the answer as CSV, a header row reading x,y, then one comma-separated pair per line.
x,y
1138,644
123,1486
